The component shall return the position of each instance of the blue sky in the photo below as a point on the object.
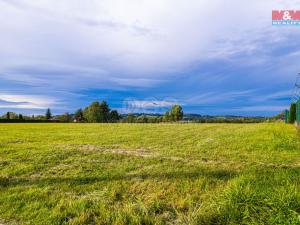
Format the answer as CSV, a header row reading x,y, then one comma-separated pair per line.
x,y
211,56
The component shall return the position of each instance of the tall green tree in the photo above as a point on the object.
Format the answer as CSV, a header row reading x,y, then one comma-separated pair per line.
x,y
100,113
292,116
92,113
48,114
176,113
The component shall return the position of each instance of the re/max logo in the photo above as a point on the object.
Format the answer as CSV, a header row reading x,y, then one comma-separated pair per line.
x,y
286,17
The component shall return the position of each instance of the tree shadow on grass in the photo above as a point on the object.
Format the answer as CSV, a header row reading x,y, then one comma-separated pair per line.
x,y
223,175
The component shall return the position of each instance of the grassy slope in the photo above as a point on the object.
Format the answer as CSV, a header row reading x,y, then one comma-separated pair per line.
x,y
149,174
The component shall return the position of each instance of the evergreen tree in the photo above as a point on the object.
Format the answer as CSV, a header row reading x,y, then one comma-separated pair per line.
x,y
48,114
114,116
292,116
8,115
104,112
79,115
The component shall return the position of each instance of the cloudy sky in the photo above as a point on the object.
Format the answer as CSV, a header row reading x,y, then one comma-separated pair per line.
x,y
212,56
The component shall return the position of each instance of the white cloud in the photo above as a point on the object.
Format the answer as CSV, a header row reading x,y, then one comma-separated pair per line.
x,y
214,97
141,37
26,101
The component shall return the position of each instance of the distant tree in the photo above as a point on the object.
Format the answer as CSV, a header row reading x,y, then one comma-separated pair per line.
x,y
292,116
104,112
8,115
159,119
277,117
114,116
130,118
11,115
66,117
166,117
40,117
153,119
176,113
79,115
48,114
99,113
142,119
20,117
92,113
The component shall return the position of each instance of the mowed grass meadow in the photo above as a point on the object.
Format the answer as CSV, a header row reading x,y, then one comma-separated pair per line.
x,y
149,174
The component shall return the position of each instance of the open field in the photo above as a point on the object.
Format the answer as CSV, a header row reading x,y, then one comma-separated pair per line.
x,y
149,174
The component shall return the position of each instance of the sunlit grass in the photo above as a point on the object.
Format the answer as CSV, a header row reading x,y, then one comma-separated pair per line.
x,y
149,174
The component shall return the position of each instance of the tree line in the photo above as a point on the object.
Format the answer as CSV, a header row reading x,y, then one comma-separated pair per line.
x,y
97,112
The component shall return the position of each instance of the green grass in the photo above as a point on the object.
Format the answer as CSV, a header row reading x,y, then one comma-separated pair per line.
x,y
149,174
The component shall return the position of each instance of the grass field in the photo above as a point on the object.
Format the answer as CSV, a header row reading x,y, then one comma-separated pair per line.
x,y
149,174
